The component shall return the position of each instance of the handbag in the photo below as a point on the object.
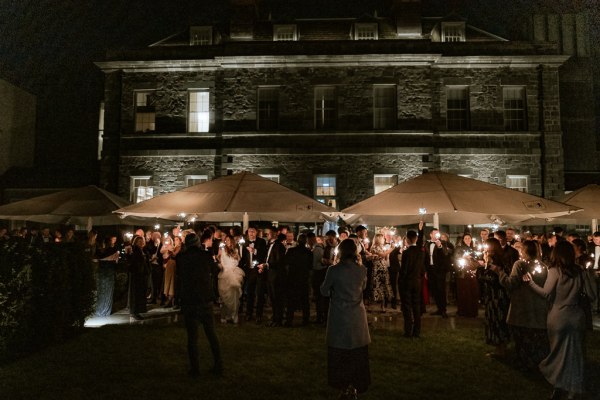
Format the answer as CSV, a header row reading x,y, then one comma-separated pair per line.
x,y
585,302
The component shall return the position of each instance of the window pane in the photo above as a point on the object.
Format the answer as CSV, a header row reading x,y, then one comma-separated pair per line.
x,y
285,33
517,182
457,104
514,108
384,107
268,108
365,31
384,182
325,186
325,107
199,115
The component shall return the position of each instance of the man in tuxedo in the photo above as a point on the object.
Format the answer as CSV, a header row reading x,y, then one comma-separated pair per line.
x,y
394,269
510,255
410,282
194,265
276,274
594,252
437,263
256,284
362,233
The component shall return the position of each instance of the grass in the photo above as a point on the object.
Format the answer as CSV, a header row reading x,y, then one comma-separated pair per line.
x,y
146,361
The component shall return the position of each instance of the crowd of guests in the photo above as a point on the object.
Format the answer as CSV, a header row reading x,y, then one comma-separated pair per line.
x,y
512,277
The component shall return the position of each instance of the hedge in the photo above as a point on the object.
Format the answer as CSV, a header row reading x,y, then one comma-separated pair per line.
x,y
45,295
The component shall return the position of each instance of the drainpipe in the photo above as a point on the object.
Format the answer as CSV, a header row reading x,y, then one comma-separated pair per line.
x,y
542,126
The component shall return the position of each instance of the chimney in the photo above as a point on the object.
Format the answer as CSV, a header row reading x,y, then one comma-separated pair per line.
x,y
244,14
408,19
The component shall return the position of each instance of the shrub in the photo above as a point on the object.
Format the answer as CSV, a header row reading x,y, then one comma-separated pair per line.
x,y
45,294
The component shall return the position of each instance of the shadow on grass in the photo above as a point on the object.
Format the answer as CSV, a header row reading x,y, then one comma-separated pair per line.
x,y
140,362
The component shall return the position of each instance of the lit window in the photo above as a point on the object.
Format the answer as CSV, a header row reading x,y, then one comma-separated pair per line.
x,y
199,115
517,182
457,110
200,36
271,177
284,33
453,32
325,189
145,112
365,31
384,182
325,107
384,107
191,180
268,108
141,189
515,116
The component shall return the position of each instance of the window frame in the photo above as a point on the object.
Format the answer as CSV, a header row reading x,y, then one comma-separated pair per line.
x,y
271,123
516,177
325,116
375,176
206,113
272,177
514,124
201,29
392,123
466,110
133,192
199,177
372,26
148,110
277,29
462,37
328,199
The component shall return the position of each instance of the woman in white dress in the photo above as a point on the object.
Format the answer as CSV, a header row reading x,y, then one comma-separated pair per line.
x,y
231,278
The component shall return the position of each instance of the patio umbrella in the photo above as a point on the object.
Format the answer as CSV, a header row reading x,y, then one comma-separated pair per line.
x,y
234,198
588,198
456,200
88,205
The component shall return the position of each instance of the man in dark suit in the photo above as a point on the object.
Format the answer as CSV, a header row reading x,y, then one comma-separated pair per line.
x,y
510,255
194,265
410,281
437,263
298,260
256,284
594,253
276,274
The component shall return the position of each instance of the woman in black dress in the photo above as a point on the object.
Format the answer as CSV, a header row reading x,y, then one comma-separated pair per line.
x,y
495,299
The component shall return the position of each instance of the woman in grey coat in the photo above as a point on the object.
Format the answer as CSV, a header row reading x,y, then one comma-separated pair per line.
x,y
527,312
564,366
347,330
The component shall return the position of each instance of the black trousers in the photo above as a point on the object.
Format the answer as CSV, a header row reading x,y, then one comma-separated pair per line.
x,y
157,281
394,283
277,293
437,286
297,299
256,288
193,315
322,302
410,297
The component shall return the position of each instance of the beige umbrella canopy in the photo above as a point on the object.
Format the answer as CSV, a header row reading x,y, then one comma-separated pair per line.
x,y
79,206
230,197
457,201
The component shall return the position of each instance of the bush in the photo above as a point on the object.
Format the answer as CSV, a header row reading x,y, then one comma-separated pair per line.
x,y
45,294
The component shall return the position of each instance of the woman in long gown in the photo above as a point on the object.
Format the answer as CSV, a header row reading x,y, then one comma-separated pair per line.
x,y
169,252
564,366
467,287
382,290
231,277
495,299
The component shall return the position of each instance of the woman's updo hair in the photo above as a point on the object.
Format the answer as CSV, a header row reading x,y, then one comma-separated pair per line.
x,y
347,250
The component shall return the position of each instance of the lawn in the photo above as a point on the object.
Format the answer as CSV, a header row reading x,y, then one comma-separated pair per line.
x,y
150,362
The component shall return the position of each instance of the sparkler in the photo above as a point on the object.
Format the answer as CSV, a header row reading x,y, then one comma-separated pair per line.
x,y
221,245
422,211
156,227
241,241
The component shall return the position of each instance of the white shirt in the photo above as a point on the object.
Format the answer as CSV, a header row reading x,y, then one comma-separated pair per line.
x,y
431,248
596,256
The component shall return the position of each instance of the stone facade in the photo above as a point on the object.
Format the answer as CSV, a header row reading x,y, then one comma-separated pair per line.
x,y
352,150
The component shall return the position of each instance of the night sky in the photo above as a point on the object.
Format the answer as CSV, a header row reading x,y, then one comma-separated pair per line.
x,y
48,48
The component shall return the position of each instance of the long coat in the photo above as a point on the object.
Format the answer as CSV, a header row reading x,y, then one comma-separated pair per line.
x,y
347,319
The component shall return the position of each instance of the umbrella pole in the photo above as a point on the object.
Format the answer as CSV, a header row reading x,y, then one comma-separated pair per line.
x,y
594,225
436,220
245,222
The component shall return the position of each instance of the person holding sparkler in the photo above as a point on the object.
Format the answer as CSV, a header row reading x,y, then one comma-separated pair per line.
x,y
467,287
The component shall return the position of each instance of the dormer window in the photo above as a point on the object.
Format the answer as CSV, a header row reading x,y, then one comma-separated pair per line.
x,y
284,33
453,31
201,36
365,31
